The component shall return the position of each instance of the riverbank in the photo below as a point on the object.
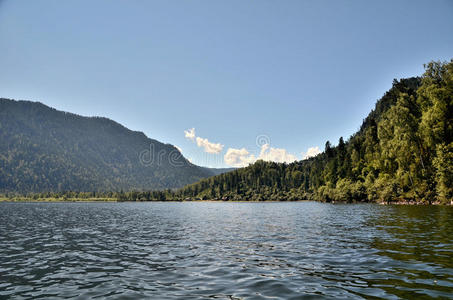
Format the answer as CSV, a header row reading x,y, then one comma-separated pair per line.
x,y
27,199
105,199
415,203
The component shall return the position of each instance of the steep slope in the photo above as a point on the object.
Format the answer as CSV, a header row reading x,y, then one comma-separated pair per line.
x,y
403,151
42,149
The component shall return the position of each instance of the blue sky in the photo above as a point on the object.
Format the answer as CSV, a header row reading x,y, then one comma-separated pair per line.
x,y
292,73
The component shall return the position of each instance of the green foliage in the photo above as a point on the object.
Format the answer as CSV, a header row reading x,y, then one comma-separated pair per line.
x,y
444,172
402,152
43,149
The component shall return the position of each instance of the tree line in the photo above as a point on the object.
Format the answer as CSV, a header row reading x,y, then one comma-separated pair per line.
x,y
403,151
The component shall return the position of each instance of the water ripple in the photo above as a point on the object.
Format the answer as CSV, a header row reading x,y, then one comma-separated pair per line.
x,y
225,251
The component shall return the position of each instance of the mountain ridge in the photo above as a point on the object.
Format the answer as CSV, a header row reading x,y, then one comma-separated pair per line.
x,y
44,149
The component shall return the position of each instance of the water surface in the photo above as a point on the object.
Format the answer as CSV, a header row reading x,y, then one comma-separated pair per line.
x,y
225,251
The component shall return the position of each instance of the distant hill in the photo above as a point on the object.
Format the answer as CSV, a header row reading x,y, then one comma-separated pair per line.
x,y
402,152
218,171
43,149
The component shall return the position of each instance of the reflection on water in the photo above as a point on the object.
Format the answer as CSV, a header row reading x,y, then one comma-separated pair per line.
x,y
225,250
419,242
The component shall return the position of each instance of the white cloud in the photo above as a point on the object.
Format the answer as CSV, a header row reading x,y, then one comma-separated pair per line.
x,y
242,158
208,146
190,134
280,155
204,143
238,157
312,151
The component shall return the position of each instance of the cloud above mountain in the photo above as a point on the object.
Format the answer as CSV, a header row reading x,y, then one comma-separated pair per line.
x,y
311,152
241,157
280,155
209,147
190,134
238,157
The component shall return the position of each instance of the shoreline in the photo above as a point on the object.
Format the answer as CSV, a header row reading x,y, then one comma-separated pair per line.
x,y
114,200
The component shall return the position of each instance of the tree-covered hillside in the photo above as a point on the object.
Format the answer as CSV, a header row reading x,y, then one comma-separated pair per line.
x,y
42,149
403,151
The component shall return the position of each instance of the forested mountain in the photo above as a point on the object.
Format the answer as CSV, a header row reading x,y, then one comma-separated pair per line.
x,y
403,151
42,149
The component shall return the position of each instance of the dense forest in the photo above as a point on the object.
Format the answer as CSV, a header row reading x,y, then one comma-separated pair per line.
x,y
402,152
46,150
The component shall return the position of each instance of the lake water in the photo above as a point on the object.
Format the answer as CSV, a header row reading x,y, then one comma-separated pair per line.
x,y
225,251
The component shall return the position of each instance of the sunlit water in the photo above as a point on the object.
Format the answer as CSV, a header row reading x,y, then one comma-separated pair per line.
x,y
225,250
